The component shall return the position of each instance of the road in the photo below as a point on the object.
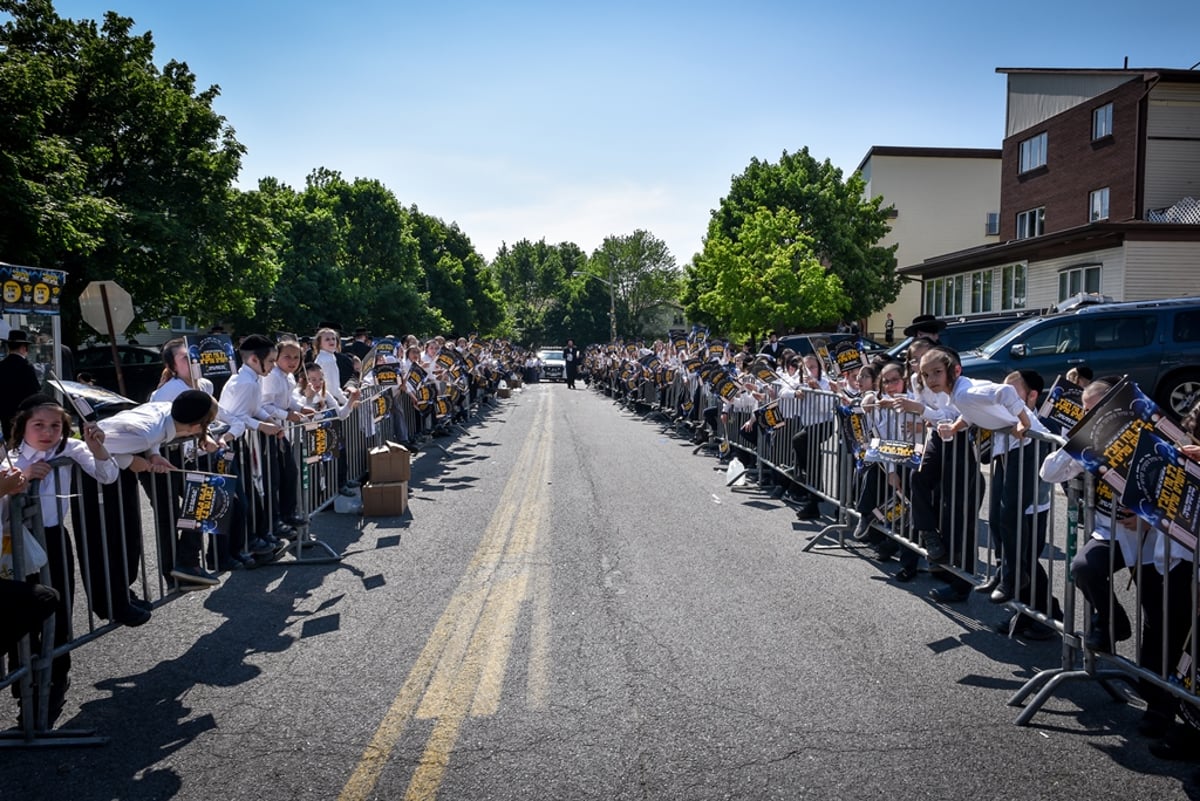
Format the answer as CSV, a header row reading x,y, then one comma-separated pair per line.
x,y
577,608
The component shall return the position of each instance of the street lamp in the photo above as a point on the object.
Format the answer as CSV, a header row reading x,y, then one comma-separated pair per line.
x,y
612,301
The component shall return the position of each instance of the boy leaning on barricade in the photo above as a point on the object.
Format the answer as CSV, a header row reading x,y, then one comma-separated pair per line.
x,y
944,491
113,543
1094,564
240,407
1015,457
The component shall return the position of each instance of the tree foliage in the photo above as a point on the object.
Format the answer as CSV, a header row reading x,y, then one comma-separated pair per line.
x,y
644,276
769,278
533,277
841,231
119,170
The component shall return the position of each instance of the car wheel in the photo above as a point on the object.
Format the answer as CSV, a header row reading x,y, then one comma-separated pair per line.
x,y
1179,393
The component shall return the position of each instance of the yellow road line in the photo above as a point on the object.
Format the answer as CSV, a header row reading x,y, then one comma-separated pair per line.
x,y
463,663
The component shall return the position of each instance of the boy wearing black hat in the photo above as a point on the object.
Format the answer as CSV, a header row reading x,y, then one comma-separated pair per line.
x,y
18,379
134,438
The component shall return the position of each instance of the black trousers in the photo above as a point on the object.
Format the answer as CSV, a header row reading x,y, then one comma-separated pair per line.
x,y
109,539
26,606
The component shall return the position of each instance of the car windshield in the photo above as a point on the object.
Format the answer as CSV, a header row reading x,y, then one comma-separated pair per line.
x,y
1002,339
550,355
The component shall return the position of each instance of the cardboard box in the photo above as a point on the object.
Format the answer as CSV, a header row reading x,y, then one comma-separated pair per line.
x,y
385,500
389,463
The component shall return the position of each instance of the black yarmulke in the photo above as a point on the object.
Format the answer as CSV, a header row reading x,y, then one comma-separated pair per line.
x,y
192,406
256,342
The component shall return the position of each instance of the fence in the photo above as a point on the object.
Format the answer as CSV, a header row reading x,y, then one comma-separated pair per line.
x,y
979,491
117,576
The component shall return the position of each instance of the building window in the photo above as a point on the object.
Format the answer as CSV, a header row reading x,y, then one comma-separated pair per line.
x,y
981,291
1098,205
1031,223
992,226
1033,153
1102,122
1012,287
1073,280
944,296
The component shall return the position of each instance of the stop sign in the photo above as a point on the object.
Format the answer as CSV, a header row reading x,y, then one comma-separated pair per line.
x,y
120,306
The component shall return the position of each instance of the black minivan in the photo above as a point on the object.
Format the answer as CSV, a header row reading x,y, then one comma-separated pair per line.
x,y
1156,343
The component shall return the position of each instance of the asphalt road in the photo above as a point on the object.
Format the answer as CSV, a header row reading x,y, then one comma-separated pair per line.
x,y
577,608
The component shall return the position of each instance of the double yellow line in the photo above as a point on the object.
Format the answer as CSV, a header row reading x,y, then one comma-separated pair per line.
x,y
460,672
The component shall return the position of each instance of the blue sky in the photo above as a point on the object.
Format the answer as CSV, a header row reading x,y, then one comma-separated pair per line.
x,y
577,121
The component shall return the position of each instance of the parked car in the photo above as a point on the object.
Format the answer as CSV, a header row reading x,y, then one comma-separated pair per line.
x,y
554,366
141,367
1156,343
967,333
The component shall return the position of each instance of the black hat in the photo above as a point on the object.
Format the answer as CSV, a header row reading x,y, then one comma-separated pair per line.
x,y
1033,380
35,400
17,338
256,342
924,324
191,407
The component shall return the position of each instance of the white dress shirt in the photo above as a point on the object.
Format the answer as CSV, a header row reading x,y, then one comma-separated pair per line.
x,y
54,488
141,430
241,401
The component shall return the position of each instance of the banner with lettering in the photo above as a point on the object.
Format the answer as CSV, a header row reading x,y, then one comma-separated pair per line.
x,y
207,503
211,356
1106,437
31,290
1163,488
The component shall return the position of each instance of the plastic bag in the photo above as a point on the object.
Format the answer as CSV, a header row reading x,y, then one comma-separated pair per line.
x,y
735,474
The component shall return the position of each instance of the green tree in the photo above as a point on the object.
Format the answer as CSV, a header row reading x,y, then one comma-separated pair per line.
x,y
768,278
348,256
143,163
458,280
644,276
842,227
533,277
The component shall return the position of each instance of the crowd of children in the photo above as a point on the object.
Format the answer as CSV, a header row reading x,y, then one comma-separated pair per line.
x,y
92,480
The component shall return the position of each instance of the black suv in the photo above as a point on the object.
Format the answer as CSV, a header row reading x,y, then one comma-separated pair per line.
x,y
968,333
1156,343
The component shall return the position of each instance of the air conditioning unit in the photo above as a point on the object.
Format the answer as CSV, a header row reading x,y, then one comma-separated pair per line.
x,y
180,325
992,226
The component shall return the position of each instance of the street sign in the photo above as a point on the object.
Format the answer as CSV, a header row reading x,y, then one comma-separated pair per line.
x,y
120,307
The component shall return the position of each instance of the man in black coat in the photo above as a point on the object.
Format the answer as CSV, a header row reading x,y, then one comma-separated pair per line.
x,y
571,357
18,379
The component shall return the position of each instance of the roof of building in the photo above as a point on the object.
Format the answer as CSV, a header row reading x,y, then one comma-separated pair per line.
x,y
1092,236
929,152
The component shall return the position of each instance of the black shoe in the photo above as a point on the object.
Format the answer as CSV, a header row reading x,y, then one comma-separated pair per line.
x,y
935,548
194,575
811,511
230,565
132,616
1002,594
905,574
949,595
138,603
990,584
260,546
